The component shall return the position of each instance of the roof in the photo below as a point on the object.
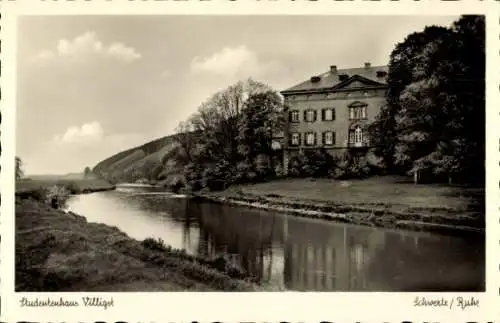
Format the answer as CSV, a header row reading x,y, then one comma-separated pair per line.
x,y
330,79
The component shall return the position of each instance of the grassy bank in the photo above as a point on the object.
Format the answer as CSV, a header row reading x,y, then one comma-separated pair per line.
x,y
75,186
383,201
59,251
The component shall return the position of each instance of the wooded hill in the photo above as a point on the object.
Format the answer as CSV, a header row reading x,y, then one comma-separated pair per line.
x,y
137,163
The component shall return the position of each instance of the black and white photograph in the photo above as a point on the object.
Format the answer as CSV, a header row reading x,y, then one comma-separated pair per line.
x,y
250,153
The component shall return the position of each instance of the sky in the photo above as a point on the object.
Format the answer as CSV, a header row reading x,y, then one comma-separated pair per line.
x,y
91,86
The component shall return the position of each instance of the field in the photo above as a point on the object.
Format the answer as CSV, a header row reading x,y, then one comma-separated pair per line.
x,y
383,201
75,185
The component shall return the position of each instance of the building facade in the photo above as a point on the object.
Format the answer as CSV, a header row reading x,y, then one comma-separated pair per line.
x,y
332,110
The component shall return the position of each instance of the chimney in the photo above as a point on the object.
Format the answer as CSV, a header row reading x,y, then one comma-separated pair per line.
x,y
367,65
333,68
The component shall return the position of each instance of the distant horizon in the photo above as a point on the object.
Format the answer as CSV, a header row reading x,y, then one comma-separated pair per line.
x,y
110,83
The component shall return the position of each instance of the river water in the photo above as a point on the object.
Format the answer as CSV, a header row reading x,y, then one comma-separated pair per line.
x,y
295,253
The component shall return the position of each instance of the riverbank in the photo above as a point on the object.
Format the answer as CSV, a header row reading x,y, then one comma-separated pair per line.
x,y
25,187
382,202
61,251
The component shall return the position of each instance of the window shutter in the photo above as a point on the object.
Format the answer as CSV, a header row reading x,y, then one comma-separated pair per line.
x,y
315,115
333,137
290,116
333,113
323,114
315,135
300,139
323,138
305,115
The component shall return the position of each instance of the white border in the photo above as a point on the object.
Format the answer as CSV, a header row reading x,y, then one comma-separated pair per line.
x,y
256,307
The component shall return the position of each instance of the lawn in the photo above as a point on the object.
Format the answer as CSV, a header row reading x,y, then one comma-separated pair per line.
x,y
378,190
384,199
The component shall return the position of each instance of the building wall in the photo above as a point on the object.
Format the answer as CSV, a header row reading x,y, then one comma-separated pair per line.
x,y
340,101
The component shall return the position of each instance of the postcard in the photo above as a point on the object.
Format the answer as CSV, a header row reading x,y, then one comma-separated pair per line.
x,y
249,161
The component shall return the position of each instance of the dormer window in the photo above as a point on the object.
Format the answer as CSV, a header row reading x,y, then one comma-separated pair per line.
x,y
315,79
343,77
381,73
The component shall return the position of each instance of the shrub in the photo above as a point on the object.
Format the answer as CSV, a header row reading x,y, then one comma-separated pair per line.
x,y
349,166
155,244
296,165
312,163
243,170
56,195
263,166
176,185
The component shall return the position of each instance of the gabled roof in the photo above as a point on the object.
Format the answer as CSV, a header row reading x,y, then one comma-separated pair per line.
x,y
330,80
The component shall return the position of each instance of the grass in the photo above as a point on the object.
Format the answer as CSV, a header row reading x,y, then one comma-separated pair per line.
x,y
381,201
75,186
59,251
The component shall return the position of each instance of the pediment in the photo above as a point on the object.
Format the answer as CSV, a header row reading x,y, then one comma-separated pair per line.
x,y
357,82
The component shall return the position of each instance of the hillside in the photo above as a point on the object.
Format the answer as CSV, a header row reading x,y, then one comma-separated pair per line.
x,y
141,162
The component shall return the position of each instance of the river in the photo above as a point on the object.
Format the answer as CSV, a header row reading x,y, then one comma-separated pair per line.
x,y
295,253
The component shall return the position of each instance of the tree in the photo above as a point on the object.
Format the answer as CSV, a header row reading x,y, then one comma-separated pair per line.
x,y
260,120
19,168
403,59
87,172
434,118
208,143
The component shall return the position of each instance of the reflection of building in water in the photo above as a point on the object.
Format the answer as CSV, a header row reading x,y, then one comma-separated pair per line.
x,y
291,252
333,259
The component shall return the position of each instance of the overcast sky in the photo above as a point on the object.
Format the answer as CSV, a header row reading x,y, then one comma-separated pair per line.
x,y
89,87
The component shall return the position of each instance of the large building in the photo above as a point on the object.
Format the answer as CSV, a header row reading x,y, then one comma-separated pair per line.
x,y
332,110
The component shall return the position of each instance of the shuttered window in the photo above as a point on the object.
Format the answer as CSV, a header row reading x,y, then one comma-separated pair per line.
x,y
328,114
295,139
310,115
294,116
328,138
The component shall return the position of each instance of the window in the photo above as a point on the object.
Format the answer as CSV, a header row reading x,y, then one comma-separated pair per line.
x,y
329,138
295,139
328,114
356,136
294,116
310,138
357,111
310,115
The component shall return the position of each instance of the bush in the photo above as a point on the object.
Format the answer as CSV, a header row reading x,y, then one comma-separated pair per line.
x,y
263,166
155,244
296,164
55,196
72,187
176,185
244,172
312,163
349,166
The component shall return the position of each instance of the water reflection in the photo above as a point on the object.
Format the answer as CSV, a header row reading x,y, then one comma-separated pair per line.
x,y
297,253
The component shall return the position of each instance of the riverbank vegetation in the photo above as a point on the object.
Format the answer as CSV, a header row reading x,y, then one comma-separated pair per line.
x,y
61,251
74,186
